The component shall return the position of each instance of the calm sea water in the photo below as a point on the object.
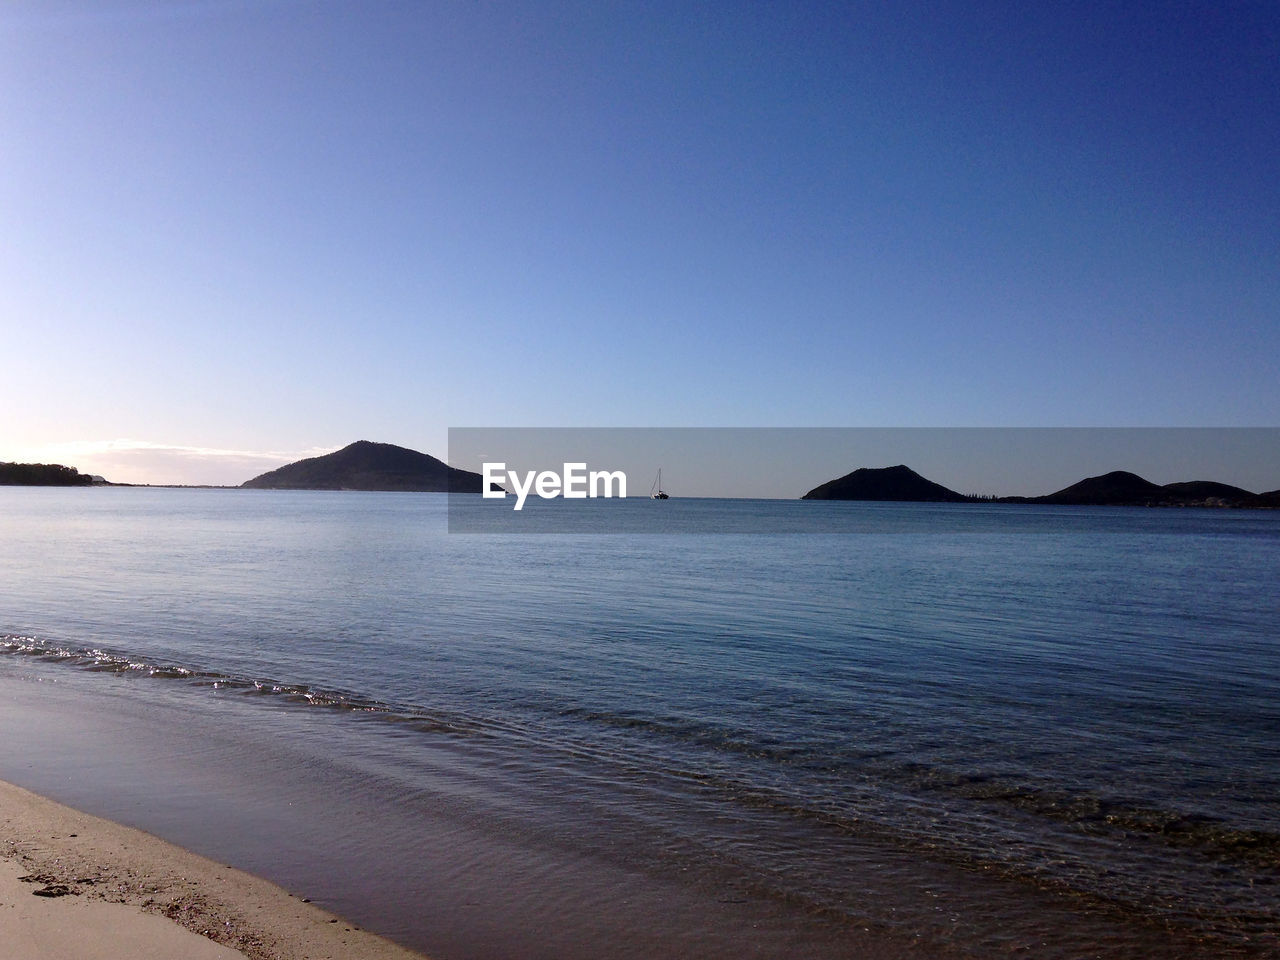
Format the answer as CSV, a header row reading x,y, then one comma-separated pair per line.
x,y
1014,731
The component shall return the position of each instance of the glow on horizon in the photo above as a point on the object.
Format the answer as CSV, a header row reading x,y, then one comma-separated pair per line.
x,y
149,462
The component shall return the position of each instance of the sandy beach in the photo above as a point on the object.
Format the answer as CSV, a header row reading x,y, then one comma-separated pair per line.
x,y
79,887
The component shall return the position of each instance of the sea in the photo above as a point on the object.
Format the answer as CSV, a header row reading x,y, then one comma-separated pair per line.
x,y
960,730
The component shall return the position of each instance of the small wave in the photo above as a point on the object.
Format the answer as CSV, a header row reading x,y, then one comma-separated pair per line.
x,y
1116,817
97,660
848,809
1102,816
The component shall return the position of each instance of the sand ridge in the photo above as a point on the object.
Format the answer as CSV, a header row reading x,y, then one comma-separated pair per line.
x,y
73,857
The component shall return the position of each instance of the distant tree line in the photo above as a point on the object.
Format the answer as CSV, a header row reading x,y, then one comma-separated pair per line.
x,y
42,475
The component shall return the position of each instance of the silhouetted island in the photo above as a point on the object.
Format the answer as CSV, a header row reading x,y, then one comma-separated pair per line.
x,y
1123,489
885,483
1118,488
365,465
42,475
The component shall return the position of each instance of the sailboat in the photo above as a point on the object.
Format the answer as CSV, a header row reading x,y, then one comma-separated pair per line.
x,y
656,492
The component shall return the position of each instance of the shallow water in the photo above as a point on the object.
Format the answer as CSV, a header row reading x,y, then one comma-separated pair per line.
x,y
1055,734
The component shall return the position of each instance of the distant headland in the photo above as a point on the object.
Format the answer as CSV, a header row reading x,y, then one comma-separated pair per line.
x,y
365,465
44,475
1118,488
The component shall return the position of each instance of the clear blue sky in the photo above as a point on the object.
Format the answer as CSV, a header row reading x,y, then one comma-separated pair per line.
x,y
235,232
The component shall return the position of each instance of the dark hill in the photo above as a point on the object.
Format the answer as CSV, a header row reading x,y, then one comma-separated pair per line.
x,y
1269,499
42,475
1119,487
885,483
1200,490
365,465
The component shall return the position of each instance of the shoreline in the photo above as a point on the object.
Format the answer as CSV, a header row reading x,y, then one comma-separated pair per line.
x,y
120,884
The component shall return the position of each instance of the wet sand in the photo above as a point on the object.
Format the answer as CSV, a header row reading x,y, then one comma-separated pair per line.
x,y
77,886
